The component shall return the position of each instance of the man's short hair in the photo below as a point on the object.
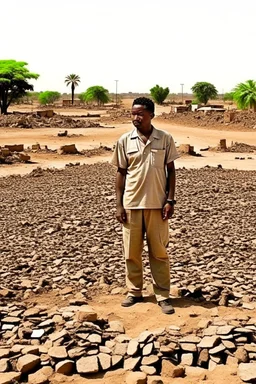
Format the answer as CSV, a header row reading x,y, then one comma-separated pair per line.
x,y
147,103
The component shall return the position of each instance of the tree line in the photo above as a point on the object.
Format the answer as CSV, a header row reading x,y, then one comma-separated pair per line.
x,y
15,83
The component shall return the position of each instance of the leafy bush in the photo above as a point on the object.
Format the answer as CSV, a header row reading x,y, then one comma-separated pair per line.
x,y
48,97
204,91
159,94
95,93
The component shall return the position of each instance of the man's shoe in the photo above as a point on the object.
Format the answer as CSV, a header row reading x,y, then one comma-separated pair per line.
x,y
166,306
131,300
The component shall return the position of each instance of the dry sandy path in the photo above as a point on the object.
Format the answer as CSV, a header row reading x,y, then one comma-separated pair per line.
x,y
88,138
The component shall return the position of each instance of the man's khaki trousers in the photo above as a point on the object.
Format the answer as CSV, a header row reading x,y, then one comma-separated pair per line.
x,y
140,222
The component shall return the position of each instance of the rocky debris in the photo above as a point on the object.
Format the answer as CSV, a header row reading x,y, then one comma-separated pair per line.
x,y
117,116
63,134
101,150
187,149
36,121
234,147
52,234
10,154
241,148
86,347
244,120
68,149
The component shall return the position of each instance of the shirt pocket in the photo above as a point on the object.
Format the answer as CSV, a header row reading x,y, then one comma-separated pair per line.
x,y
157,157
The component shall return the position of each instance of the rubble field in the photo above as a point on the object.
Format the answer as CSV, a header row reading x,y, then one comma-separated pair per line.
x,y
58,232
30,120
243,120
58,227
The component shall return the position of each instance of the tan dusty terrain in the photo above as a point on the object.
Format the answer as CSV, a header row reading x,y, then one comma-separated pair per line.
x,y
146,315
88,138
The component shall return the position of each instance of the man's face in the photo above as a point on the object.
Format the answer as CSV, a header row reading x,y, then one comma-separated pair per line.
x,y
141,117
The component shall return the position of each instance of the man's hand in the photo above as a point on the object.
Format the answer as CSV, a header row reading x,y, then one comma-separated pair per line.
x,y
168,211
121,214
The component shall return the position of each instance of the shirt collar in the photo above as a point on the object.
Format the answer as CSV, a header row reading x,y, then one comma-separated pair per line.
x,y
154,134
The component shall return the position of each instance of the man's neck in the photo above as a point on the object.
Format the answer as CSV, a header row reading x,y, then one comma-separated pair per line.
x,y
146,132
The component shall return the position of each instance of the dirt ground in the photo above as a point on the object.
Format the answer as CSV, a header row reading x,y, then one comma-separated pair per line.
x,y
88,138
147,315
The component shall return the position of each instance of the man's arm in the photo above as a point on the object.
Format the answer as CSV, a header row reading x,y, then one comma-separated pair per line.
x,y
168,209
120,186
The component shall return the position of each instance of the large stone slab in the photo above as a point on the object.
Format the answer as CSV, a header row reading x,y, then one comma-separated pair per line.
x,y
208,342
58,352
9,377
105,361
87,365
247,372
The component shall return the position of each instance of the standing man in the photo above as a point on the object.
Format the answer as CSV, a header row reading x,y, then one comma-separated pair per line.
x,y
145,187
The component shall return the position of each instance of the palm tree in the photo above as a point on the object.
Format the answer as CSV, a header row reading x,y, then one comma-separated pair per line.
x,y
74,80
245,95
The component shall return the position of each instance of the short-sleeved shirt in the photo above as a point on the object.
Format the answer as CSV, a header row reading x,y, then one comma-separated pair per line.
x,y
146,165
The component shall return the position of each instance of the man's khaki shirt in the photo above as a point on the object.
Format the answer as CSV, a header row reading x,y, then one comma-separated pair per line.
x,y
146,178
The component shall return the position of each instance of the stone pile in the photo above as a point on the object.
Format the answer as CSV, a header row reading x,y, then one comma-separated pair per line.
x,y
242,148
118,116
58,228
13,154
38,341
234,147
242,119
36,121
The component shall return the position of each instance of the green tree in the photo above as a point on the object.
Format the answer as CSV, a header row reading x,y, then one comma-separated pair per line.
x,y
95,93
204,91
48,97
74,80
14,78
245,95
159,94
228,96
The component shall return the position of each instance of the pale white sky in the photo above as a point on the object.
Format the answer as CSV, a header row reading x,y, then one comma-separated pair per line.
x,y
139,42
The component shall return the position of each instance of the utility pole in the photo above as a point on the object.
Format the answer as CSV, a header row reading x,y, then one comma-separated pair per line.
x,y
182,93
116,91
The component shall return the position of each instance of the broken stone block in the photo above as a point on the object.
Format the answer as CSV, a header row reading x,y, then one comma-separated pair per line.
x,y
105,361
131,363
208,342
116,326
58,352
241,355
4,365
38,378
9,377
247,372
171,370
67,149
148,369
133,347
87,365
65,367
86,313
187,359
197,372
27,363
